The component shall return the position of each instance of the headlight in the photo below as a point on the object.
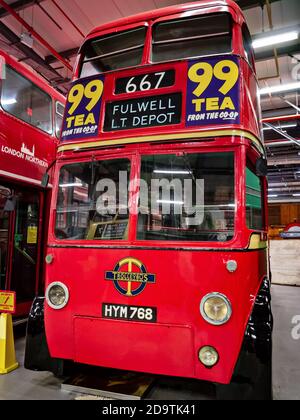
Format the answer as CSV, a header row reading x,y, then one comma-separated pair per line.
x,y
215,309
208,356
57,295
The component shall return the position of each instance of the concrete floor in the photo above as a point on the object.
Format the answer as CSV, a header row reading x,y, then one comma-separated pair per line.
x,y
26,385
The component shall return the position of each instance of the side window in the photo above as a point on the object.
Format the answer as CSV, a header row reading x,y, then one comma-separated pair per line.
x,y
59,115
21,98
254,200
247,41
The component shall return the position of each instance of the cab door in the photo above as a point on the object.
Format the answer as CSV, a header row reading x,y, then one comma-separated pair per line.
x,y
5,229
24,271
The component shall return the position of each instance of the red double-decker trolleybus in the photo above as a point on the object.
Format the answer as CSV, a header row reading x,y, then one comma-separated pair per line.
x,y
157,248
30,118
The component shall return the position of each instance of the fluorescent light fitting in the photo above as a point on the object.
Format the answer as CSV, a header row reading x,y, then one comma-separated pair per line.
x,y
170,202
280,88
162,171
281,127
296,195
272,196
275,39
74,184
27,39
9,101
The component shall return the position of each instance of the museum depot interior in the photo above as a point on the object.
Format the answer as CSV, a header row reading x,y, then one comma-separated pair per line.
x,y
149,202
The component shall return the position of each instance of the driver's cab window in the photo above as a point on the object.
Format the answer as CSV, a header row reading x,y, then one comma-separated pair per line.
x,y
92,201
187,197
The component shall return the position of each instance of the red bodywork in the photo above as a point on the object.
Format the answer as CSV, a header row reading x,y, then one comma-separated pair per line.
x,y
18,171
14,132
185,271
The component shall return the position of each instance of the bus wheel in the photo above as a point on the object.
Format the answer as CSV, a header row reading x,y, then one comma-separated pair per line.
x,y
252,378
37,356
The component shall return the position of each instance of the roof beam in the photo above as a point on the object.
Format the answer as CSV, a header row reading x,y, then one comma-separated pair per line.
x,y
244,4
281,51
36,35
18,6
250,4
284,160
65,54
29,53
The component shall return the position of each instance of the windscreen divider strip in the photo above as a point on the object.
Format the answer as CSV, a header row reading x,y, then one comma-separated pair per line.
x,y
87,60
171,41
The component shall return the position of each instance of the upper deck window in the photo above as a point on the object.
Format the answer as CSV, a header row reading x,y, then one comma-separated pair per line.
x,y
247,41
113,52
192,37
26,101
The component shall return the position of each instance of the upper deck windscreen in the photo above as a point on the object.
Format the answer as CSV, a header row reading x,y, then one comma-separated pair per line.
x,y
171,40
113,52
173,73
191,37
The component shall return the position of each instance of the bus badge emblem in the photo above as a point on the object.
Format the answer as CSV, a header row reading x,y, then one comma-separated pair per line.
x,y
131,281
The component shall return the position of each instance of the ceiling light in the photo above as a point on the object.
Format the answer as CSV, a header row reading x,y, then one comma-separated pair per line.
x,y
170,202
275,39
27,39
272,196
296,195
279,88
72,184
281,127
9,101
161,171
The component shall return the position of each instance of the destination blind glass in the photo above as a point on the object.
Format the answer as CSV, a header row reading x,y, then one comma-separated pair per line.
x,y
142,82
143,112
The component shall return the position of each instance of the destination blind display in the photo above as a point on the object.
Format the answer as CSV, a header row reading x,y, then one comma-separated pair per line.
x,y
143,82
143,112
207,90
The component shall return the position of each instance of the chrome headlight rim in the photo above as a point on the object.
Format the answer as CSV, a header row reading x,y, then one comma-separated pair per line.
x,y
213,351
210,320
67,295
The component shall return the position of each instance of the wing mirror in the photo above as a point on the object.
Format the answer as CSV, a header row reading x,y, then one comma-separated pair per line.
x,y
45,180
261,167
10,204
46,176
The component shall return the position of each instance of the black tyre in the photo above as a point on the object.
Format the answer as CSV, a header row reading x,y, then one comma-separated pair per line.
x,y
252,378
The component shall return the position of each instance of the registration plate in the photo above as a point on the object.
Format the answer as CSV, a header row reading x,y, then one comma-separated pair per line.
x,y
129,313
